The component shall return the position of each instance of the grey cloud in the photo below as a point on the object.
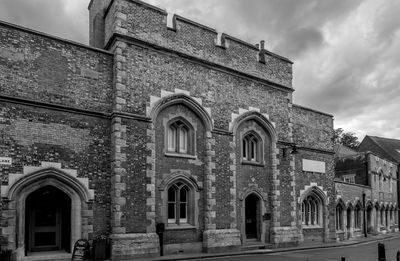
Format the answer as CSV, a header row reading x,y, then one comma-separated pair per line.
x,y
387,21
48,16
300,41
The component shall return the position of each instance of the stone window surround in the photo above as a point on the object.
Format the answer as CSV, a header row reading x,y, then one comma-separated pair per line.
x,y
245,146
319,192
191,125
192,202
312,199
260,146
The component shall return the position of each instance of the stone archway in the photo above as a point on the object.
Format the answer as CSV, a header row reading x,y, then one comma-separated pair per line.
x,y
18,191
253,228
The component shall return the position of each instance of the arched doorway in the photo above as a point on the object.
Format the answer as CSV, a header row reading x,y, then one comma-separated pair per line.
x,y
70,193
47,220
252,217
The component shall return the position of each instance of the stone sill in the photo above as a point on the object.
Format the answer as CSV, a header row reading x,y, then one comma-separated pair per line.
x,y
311,226
179,227
180,155
254,163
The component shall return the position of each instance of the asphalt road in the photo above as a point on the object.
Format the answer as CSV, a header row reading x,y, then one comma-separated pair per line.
x,y
361,252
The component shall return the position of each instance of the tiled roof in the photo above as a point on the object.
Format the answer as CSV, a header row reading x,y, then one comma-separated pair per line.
x,y
343,151
390,146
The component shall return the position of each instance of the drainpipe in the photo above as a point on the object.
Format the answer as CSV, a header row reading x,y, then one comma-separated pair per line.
x,y
363,195
397,192
364,216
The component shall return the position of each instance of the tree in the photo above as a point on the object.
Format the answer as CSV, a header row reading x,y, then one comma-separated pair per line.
x,y
345,138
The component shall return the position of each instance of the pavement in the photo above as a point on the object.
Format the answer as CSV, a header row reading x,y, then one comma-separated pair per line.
x,y
303,246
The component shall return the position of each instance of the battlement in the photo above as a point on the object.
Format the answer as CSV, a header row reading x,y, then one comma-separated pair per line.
x,y
144,22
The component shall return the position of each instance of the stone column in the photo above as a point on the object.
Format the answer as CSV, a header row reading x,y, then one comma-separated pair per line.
x,y
214,239
350,230
378,220
124,244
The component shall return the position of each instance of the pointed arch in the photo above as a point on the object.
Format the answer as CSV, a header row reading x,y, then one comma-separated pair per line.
x,y
51,176
317,191
260,119
182,176
350,205
313,202
77,189
340,202
358,204
253,190
179,197
186,100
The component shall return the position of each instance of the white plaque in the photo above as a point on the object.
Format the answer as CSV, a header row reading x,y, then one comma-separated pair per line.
x,y
313,166
5,161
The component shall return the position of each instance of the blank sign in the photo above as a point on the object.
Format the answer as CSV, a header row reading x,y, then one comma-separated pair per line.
x,y
313,166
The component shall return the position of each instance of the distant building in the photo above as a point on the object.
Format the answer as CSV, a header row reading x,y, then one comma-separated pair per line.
x,y
366,194
384,147
155,124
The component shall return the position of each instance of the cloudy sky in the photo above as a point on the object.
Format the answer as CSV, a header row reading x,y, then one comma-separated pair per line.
x,y
346,53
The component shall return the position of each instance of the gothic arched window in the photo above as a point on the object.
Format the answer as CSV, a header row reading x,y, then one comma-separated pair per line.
x,y
178,204
252,148
180,138
310,211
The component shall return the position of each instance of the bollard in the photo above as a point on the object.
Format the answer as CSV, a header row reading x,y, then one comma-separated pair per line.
x,y
398,256
381,252
160,229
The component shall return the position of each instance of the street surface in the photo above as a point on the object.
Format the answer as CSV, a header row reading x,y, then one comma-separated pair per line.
x,y
361,252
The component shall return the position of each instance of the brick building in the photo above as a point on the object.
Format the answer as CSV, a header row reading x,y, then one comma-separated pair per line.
x,y
366,189
157,122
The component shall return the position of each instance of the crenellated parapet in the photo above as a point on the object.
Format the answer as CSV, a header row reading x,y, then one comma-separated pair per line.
x,y
142,22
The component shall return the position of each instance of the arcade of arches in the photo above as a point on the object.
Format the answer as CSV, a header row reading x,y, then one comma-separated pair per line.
x,y
350,219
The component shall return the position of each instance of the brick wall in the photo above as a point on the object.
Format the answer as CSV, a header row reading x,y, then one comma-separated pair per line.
x,y
46,69
350,193
325,180
312,129
31,135
148,23
152,71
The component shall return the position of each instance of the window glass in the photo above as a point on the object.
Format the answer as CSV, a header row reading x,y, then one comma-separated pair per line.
x,y
244,149
178,196
183,140
171,204
180,138
171,138
251,148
